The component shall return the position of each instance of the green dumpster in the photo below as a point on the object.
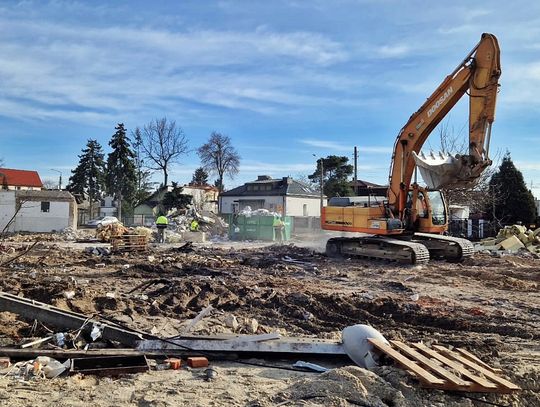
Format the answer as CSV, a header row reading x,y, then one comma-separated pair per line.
x,y
257,227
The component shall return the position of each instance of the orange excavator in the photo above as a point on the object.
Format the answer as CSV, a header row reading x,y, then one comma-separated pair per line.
x,y
407,222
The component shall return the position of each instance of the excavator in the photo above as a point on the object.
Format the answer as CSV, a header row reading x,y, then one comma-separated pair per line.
x,y
407,222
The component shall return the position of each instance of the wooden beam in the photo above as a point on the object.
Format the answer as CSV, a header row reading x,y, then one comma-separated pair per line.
x,y
441,371
488,373
422,374
473,358
456,366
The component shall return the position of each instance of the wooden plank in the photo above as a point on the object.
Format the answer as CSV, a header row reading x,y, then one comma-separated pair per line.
x,y
441,371
423,375
488,373
473,358
456,366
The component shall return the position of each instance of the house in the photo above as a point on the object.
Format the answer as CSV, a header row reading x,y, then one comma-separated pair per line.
x,y
205,197
37,210
284,195
365,188
20,180
108,206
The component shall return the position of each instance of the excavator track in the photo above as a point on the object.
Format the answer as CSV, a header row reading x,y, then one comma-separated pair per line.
x,y
378,247
448,248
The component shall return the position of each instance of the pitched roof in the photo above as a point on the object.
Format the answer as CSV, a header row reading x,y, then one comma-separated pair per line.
x,y
20,178
279,187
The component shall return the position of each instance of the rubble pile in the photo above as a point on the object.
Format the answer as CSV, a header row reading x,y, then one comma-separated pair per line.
x,y
107,232
512,239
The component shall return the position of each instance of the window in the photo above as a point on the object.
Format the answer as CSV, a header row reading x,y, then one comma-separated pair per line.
x,y
304,210
45,206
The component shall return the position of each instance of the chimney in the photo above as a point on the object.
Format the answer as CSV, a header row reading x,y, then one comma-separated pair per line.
x,y
287,180
264,178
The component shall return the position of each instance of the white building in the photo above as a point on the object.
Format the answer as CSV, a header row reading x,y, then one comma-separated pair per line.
x,y
285,195
19,180
205,197
37,211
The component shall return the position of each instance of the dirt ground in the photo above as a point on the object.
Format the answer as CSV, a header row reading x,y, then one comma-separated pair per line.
x,y
488,305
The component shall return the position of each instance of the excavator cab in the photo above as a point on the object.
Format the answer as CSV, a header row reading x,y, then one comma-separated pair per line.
x,y
426,211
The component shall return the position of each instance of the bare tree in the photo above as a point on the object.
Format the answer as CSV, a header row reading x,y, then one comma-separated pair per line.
x,y
480,197
163,143
218,156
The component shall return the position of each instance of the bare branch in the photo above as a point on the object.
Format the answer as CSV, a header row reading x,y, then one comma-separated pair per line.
x,y
163,143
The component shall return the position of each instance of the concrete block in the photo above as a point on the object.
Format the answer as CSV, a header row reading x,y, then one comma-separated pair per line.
x,y
198,237
512,243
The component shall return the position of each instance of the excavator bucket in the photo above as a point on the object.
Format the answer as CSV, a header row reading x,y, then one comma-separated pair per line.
x,y
443,170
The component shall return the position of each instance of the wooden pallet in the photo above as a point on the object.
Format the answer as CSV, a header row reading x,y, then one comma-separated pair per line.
x,y
129,243
441,368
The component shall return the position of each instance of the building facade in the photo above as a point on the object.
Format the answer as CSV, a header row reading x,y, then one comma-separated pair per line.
x,y
284,195
37,211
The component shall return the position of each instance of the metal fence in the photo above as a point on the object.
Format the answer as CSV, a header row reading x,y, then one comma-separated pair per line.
x,y
473,229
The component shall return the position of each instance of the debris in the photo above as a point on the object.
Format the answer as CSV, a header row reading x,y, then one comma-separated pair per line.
x,y
356,344
174,363
197,361
37,342
211,374
5,362
109,366
231,322
252,325
112,230
415,297
311,366
49,314
206,311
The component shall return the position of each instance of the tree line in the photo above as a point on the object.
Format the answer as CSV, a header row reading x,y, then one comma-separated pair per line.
x,y
126,173
501,194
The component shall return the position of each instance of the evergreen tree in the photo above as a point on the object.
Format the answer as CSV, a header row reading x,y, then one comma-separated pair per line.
x,y
121,178
143,185
88,177
174,199
200,177
336,172
514,202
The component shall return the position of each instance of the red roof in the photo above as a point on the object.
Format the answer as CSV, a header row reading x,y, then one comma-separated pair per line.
x,y
20,178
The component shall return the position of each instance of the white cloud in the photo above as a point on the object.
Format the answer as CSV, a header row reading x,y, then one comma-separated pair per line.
x,y
393,51
58,70
335,146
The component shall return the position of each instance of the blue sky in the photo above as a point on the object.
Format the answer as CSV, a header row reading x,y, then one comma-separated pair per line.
x,y
285,79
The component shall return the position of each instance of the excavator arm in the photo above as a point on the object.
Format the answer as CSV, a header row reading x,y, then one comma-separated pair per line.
x,y
478,76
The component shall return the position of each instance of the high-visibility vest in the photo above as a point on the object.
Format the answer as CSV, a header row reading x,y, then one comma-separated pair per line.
x,y
162,220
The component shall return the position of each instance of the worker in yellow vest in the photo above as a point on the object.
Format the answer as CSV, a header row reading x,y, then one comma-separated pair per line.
x,y
161,223
279,229
194,227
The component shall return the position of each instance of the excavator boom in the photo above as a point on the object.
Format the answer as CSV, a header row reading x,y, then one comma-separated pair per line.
x,y
478,75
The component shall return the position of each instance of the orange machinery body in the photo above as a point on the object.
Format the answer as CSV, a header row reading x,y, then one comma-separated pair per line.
x,y
477,76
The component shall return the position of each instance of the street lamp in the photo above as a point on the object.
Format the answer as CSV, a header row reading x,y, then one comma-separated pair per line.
x,y
321,179
59,179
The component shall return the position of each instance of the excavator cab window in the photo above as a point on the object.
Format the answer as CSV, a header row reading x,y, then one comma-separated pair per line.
x,y
438,209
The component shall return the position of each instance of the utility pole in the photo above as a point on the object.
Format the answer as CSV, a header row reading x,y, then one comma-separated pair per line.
x,y
355,170
59,179
322,184
321,179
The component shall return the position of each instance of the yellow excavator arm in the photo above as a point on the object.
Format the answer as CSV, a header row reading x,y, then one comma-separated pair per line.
x,y
478,76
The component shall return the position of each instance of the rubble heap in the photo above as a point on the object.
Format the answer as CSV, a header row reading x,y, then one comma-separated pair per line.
x,y
514,238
